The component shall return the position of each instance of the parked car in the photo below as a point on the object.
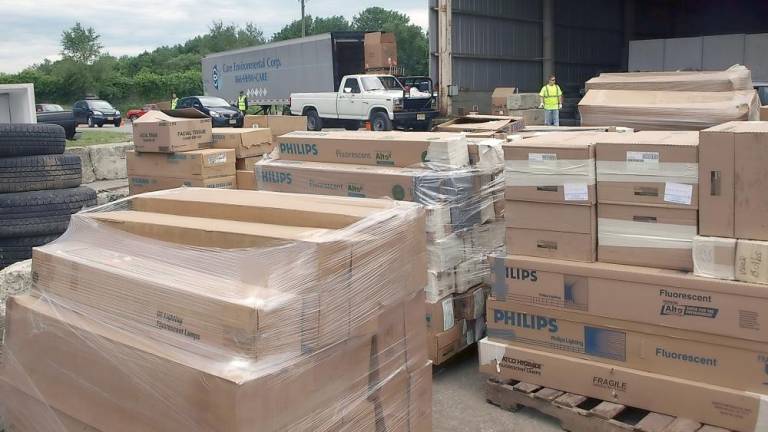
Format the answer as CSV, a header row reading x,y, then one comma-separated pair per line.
x,y
96,112
55,114
381,99
135,113
222,114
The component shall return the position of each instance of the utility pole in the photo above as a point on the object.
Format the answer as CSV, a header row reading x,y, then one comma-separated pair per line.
x,y
303,25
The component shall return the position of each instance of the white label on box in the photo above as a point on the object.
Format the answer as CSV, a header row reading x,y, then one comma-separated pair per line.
x,y
448,314
651,158
678,193
217,159
576,192
542,156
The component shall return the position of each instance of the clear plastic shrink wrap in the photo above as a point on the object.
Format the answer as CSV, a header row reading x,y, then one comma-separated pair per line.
x,y
223,310
464,204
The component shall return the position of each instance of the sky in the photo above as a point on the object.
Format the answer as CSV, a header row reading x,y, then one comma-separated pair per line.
x,y
31,29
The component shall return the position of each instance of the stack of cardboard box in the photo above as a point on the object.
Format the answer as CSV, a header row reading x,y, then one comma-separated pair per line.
x,y
733,233
625,333
508,102
249,146
172,149
457,181
380,50
202,310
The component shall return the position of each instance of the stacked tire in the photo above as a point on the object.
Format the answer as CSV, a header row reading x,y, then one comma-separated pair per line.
x,y
39,188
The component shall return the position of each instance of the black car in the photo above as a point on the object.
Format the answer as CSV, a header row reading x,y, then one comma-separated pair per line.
x,y
95,112
55,114
221,112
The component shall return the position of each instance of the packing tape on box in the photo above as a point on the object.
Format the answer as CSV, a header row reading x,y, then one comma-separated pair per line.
x,y
549,172
656,172
623,233
714,257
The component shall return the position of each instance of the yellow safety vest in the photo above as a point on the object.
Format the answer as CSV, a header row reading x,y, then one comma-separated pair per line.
x,y
241,103
174,101
551,95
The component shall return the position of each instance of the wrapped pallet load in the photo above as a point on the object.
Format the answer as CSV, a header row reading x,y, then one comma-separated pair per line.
x,y
221,310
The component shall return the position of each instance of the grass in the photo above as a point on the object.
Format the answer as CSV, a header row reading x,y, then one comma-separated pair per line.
x,y
92,137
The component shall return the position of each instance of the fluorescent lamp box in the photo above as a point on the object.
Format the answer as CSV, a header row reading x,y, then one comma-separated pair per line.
x,y
649,168
731,409
646,236
714,257
195,164
702,357
393,149
732,161
752,261
667,298
734,78
150,183
551,230
172,131
277,124
246,142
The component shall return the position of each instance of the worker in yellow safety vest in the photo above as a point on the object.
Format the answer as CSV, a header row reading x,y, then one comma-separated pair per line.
x,y
174,101
242,102
552,101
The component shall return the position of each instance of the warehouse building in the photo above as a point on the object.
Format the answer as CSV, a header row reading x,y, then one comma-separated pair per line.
x,y
478,45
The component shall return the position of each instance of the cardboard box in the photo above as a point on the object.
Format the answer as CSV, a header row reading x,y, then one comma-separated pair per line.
x,y
764,113
444,345
702,357
420,399
719,406
649,168
440,284
360,181
141,184
440,315
735,78
471,304
22,412
246,142
98,364
277,124
545,167
248,163
500,96
485,126
195,164
172,131
732,164
389,149
380,50
752,261
666,110
551,230
531,116
646,236
246,180
714,257
653,296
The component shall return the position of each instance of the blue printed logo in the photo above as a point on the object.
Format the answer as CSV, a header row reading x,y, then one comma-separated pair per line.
x,y
215,76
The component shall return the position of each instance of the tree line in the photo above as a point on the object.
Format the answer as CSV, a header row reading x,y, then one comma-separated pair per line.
x,y
86,68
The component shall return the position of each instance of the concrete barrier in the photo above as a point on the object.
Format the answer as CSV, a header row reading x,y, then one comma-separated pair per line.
x,y
14,279
87,164
109,160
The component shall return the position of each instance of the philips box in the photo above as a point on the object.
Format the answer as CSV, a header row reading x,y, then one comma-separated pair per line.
x,y
719,360
646,295
719,406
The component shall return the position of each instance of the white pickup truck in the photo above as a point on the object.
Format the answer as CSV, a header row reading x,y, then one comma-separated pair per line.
x,y
384,100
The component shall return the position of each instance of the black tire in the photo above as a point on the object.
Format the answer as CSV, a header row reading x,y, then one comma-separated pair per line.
x,y
117,123
31,173
37,213
31,139
380,121
314,122
90,122
13,250
69,133
101,125
352,125
423,126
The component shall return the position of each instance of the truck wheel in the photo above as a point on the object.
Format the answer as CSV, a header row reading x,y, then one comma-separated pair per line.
x,y
380,121
314,122
29,173
25,214
31,139
353,125
423,126
90,122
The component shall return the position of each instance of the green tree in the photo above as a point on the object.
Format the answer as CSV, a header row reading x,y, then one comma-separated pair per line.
x,y
81,44
412,42
313,26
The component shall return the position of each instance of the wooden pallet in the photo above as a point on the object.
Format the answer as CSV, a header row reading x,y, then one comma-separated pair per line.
x,y
577,413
